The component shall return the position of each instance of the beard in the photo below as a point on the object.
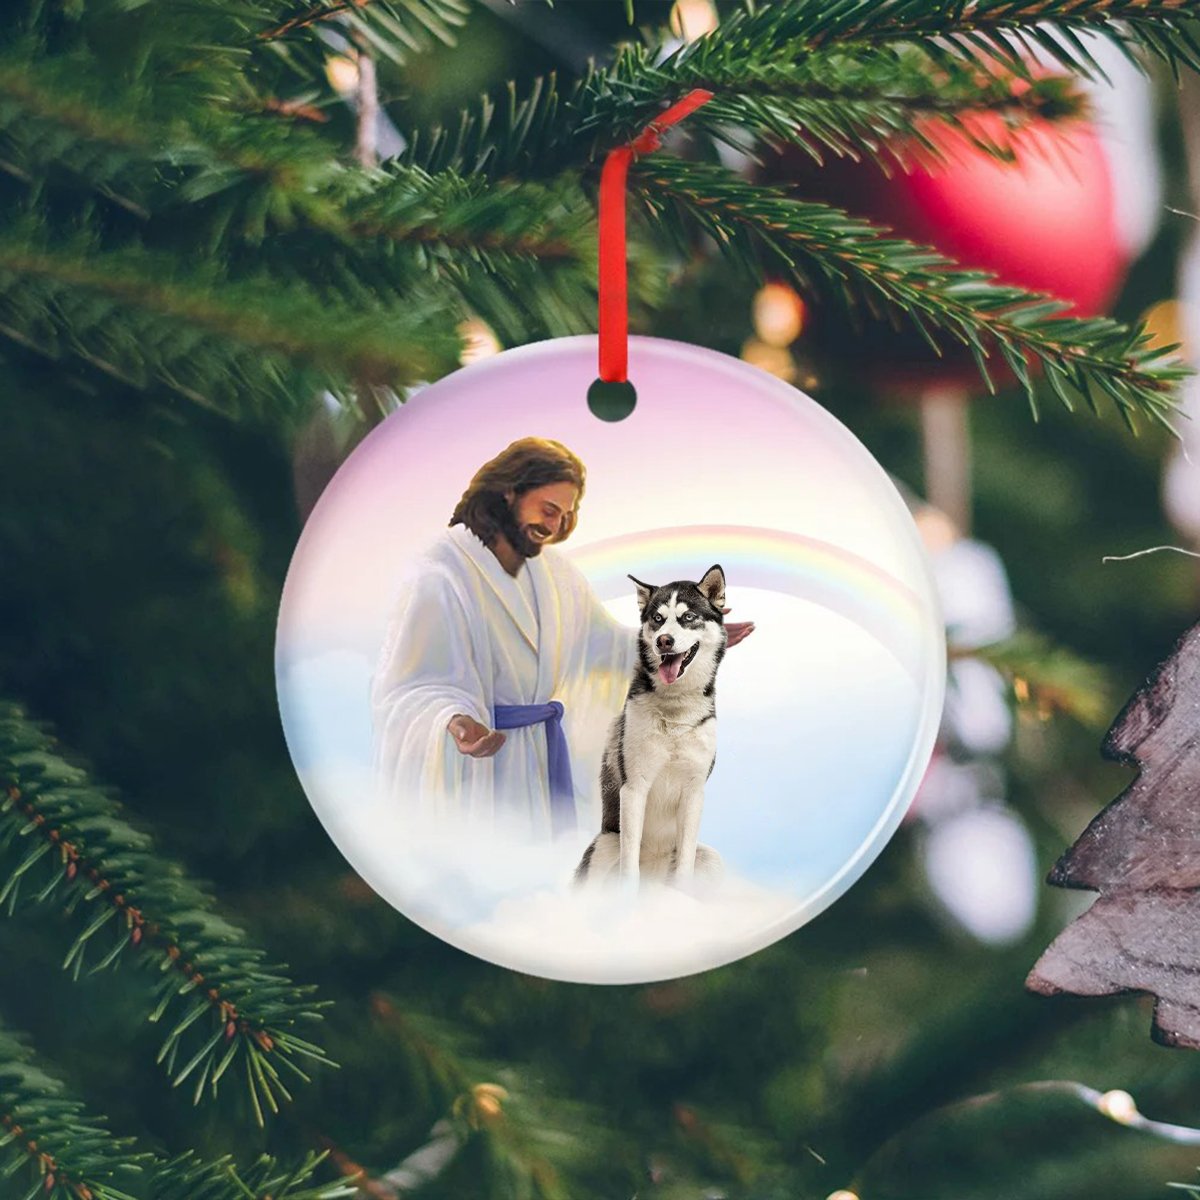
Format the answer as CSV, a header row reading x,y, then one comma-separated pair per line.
x,y
516,534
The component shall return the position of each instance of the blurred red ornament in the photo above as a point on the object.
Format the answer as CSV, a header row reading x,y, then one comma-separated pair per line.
x,y
1045,221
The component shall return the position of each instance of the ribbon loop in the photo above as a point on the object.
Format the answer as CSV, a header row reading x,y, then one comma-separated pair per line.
x,y
614,283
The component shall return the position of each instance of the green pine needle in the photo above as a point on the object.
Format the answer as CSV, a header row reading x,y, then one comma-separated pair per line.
x,y
215,988
73,1148
189,1177
880,103
76,1154
760,227
392,29
982,32
244,347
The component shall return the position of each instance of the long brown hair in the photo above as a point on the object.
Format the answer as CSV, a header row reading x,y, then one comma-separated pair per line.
x,y
527,463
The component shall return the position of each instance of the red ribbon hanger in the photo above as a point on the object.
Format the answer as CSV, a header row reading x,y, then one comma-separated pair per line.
x,y
614,284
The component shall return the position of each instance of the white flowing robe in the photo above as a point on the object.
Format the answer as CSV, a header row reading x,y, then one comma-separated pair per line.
x,y
464,639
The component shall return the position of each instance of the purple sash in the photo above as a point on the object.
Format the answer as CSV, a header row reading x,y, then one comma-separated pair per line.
x,y
558,759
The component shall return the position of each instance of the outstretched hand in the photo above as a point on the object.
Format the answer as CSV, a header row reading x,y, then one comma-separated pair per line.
x,y
472,738
736,631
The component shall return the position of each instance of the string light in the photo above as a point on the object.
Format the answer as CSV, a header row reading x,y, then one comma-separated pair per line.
x,y
1118,1106
693,19
342,73
775,360
937,531
778,314
479,341
1165,323
482,1105
488,1097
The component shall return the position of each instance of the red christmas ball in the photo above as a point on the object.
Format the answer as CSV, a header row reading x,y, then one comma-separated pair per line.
x,y
1044,220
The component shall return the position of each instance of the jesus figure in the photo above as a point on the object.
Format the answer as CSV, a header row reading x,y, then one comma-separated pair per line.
x,y
501,669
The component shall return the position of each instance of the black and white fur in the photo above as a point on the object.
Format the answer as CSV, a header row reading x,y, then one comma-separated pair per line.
x,y
662,747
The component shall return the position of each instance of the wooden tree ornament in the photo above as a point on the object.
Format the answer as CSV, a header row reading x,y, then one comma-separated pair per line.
x,y
1142,854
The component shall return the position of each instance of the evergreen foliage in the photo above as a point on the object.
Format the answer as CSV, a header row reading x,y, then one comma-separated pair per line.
x,y
298,272
67,844
47,1136
1094,358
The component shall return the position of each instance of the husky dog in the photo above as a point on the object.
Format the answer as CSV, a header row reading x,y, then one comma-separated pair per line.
x,y
662,747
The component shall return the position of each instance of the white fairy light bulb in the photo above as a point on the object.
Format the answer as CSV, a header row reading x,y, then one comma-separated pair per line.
x,y
693,19
1118,1106
342,73
480,341
775,360
778,314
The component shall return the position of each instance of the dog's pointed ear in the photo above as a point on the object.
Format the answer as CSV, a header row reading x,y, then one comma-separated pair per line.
x,y
644,592
713,586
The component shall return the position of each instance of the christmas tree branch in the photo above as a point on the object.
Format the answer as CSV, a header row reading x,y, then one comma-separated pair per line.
x,y
47,1138
779,51
392,28
43,125
312,16
259,189
70,1155
1050,679
58,121
487,245
215,345
1089,358
512,1119
547,223
53,118
189,1177
974,31
522,256
845,102
63,841
874,102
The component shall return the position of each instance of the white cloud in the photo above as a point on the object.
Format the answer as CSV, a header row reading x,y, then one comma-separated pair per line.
x,y
603,936
513,903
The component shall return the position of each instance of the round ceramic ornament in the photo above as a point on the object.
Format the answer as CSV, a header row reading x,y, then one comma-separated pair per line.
x,y
610,700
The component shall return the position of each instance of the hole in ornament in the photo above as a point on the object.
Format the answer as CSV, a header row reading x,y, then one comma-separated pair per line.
x,y
612,400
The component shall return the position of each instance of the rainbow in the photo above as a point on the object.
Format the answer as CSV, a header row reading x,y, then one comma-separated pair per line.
x,y
789,563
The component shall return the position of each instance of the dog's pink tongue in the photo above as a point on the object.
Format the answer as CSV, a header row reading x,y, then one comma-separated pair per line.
x,y
668,669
